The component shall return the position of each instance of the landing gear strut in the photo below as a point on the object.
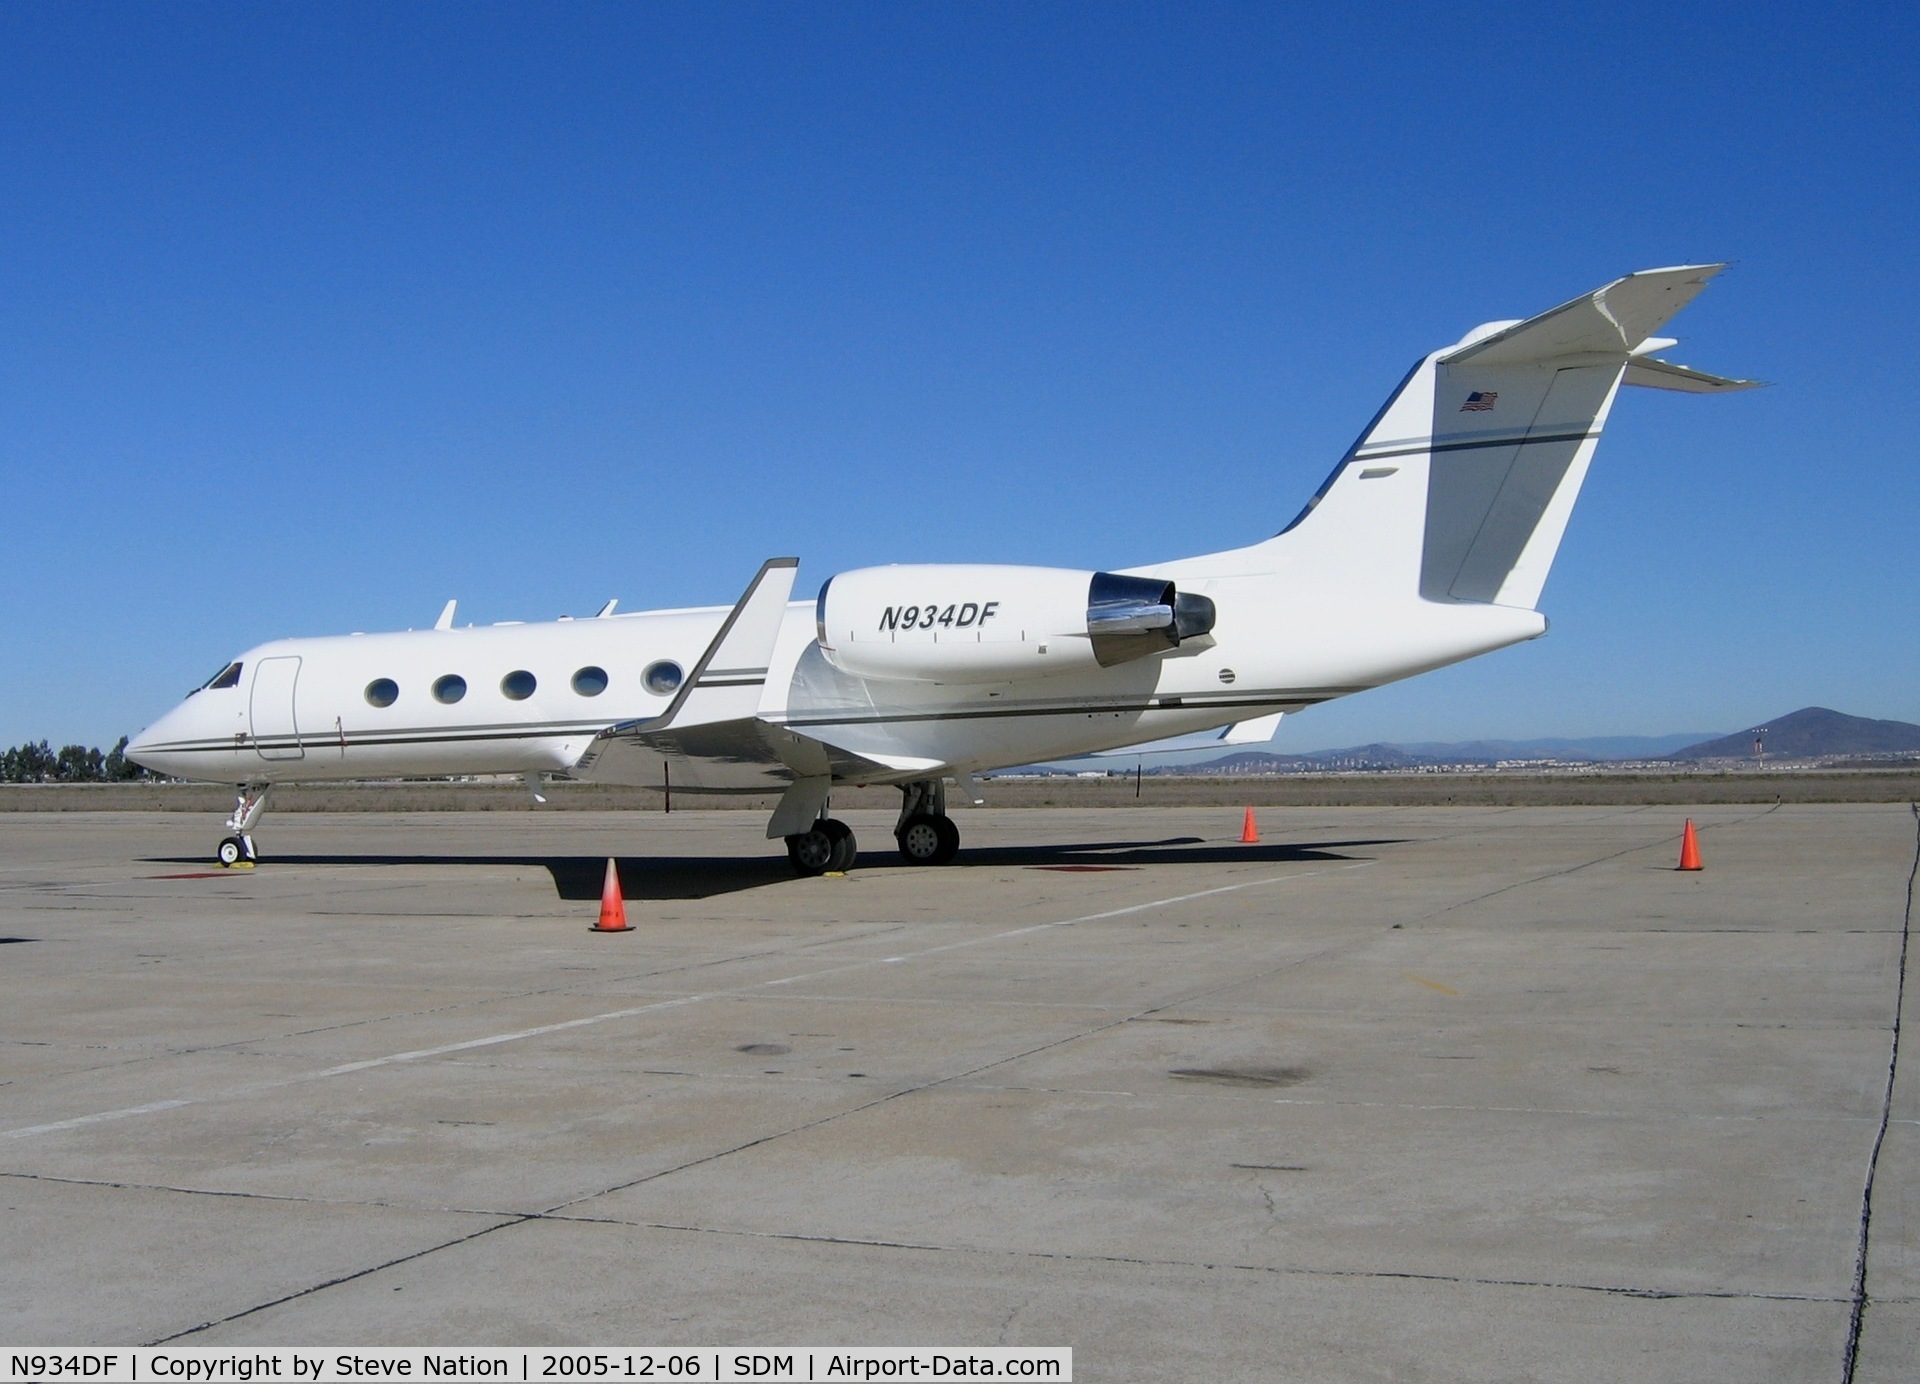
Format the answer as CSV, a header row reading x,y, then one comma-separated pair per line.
x,y
236,851
827,847
927,836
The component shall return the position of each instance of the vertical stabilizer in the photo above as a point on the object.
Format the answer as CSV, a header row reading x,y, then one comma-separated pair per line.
x,y
1461,488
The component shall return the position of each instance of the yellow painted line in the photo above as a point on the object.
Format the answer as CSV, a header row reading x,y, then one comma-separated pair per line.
x,y
1430,984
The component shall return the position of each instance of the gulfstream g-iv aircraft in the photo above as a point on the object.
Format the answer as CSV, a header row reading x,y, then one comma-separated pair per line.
x,y
1428,544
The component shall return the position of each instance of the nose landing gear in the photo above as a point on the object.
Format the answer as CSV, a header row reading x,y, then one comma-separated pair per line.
x,y
236,851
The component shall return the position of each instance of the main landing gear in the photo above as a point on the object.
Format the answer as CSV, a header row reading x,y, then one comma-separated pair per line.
x,y
236,851
927,836
827,847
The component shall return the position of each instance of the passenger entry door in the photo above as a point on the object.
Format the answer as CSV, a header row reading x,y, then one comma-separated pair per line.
x,y
275,735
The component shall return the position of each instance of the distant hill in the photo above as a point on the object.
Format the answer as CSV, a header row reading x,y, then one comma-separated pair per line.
x,y
1814,732
1810,733
1261,762
1594,749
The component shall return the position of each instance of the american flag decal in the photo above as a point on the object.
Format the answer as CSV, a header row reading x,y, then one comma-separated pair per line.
x,y
1478,402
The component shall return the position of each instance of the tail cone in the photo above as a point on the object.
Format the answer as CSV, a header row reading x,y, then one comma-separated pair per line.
x,y
1689,848
613,905
1249,832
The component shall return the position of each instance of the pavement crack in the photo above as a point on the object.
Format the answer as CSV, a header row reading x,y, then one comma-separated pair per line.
x,y
965,1076
1626,1290
1857,1317
1574,869
236,1194
336,1281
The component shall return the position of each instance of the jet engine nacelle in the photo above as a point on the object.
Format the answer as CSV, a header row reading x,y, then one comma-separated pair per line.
x,y
971,624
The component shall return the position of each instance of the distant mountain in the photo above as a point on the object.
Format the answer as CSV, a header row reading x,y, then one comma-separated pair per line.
x,y
1595,747
1261,762
1810,733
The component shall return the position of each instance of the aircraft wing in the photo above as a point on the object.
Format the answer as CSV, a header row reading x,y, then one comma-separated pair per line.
x,y
710,739
725,685
743,755
1255,732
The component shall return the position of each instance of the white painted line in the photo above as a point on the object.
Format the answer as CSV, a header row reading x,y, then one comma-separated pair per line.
x,y
79,1120
492,1039
613,1015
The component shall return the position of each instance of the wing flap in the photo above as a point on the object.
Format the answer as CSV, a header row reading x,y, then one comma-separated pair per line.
x,y
746,755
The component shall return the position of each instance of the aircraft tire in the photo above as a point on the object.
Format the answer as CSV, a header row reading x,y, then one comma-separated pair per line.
x,y
233,850
949,840
927,839
845,847
811,851
919,839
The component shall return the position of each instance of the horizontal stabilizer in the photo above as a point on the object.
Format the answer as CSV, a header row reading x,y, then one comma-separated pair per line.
x,y
1613,320
1664,374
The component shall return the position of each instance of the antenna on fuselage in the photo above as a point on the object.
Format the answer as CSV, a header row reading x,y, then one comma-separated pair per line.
x,y
445,622
606,609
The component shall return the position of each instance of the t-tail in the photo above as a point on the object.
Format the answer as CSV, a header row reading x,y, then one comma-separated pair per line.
x,y
1460,489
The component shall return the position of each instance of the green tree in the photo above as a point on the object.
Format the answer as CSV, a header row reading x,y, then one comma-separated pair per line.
x,y
117,768
28,763
77,764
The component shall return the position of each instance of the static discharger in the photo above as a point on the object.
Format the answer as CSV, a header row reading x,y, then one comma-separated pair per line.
x,y
1689,848
1249,830
613,904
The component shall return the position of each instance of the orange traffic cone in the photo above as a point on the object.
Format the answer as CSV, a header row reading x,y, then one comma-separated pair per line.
x,y
1689,848
613,905
1249,833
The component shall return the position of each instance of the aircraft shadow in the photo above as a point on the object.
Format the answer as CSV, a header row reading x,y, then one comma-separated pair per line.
x,y
579,878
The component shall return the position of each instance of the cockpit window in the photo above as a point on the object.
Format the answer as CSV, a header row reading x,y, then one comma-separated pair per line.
x,y
228,676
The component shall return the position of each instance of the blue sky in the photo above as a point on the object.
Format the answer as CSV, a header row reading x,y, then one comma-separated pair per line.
x,y
312,317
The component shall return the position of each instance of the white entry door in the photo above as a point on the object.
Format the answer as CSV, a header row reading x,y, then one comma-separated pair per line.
x,y
274,733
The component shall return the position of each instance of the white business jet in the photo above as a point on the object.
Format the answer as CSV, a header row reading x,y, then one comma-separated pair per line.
x,y
1428,544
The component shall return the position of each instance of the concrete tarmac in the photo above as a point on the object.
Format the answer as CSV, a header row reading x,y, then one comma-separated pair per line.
x,y
1397,1094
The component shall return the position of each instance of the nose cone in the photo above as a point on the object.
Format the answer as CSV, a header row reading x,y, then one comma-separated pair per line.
x,y
158,747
